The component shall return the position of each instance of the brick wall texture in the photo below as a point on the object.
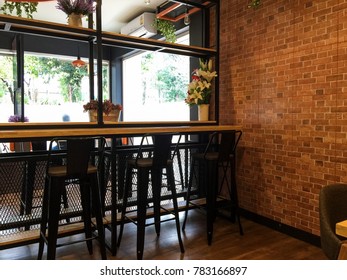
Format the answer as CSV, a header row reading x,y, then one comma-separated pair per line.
x,y
283,70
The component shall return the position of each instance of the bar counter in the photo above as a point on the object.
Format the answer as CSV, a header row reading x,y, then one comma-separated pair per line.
x,y
23,132
20,210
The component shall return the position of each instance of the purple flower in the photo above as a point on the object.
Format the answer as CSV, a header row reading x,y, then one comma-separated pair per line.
x,y
80,7
17,118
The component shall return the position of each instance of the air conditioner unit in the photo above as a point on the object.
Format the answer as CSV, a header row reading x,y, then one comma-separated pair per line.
x,y
141,26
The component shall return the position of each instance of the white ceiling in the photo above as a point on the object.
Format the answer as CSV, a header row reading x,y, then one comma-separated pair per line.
x,y
115,13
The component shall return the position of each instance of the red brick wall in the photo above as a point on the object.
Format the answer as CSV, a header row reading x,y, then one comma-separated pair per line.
x,y
283,70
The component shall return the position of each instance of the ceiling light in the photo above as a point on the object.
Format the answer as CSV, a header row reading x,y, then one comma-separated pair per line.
x,y
186,19
147,2
78,62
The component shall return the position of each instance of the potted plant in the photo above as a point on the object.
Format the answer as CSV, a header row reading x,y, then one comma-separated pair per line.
x,y
200,88
20,8
167,29
76,9
111,111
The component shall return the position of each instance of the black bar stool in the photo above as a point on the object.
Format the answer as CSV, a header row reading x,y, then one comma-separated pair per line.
x,y
76,165
219,155
149,170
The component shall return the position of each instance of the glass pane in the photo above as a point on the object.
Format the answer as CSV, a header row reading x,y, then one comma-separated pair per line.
x,y
55,89
7,84
155,86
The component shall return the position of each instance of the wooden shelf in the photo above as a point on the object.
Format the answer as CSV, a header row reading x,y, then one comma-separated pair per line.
x,y
55,30
120,40
45,28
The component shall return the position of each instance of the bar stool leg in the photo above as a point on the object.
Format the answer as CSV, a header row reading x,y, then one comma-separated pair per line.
x,y
233,194
142,192
53,216
171,179
156,176
190,182
127,189
211,189
31,168
180,169
98,211
86,214
44,219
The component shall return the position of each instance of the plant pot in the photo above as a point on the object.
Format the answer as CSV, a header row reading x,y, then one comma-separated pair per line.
x,y
75,20
203,112
111,117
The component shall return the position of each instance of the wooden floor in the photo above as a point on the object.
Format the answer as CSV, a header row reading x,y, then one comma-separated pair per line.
x,y
257,243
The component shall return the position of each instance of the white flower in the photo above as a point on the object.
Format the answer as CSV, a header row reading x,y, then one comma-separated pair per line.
x,y
209,65
207,75
199,89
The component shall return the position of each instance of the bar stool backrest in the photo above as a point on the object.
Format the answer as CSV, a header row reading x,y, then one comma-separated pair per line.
x,y
162,149
78,153
228,142
78,156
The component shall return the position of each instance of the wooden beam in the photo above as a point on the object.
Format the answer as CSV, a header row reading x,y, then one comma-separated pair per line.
x,y
163,14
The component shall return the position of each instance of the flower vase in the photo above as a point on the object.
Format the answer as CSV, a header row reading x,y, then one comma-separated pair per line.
x,y
75,20
203,112
111,117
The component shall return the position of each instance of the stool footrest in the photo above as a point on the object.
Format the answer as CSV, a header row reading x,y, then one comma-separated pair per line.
x,y
76,241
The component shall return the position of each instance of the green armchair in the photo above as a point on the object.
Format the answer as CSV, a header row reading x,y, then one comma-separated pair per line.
x,y
332,209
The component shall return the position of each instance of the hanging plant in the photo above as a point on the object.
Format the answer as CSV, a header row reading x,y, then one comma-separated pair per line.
x,y
167,29
254,4
19,8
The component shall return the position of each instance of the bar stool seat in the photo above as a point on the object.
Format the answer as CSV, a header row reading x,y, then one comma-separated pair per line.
x,y
149,172
61,171
219,155
77,168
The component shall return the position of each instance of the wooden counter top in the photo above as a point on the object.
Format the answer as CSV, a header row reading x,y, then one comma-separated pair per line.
x,y
109,131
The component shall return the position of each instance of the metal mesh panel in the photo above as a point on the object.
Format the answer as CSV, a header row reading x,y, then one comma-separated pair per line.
x,y
21,184
22,180
180,173
12,176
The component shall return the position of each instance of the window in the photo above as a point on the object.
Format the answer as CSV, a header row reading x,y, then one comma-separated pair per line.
x,y
155,86
6,84
54,90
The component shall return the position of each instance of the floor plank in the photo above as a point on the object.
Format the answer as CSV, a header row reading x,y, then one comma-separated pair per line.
x,y
257,243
